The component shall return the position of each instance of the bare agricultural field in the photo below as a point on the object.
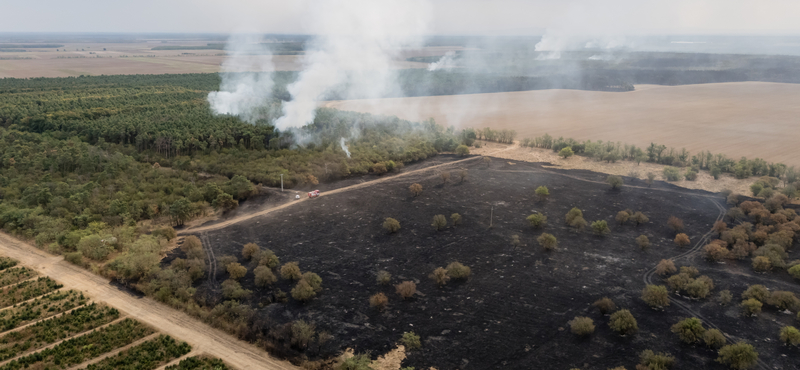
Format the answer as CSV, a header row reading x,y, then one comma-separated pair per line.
x,y
752,119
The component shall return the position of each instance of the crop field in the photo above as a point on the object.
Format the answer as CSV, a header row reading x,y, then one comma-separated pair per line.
x,y
519,297
62,329
752,119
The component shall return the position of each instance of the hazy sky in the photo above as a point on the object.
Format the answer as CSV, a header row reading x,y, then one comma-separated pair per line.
x,y
447,16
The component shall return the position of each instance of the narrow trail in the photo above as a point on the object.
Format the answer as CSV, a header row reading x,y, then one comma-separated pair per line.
x,y
212,259
202,337
245,217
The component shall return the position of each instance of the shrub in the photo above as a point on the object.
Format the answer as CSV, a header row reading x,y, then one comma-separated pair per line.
x,y
542,192
290,271
714,338
578,224
249,250
313,280
302,333
458,271
639,218
784,300
268,258
573,214
665,267
303,291
690,175
674,223
642,241
715,252
600,227
391,225
795,271
655,296
95,247
406,289
725,297
622,217
679,282
761,264
751,307
715,171
581,326
537,220
515,242
415,189
566,152
615,182
439,275
650,178
231,289
790,335
699,288
671,174
75,258
357,362
439,222
756,291
264,276
378,301
236,270
547,241
462,150
410,340
605,305
462,175
455,218
689,330
682,240
649,360
445,177
384,277
487,161
167,232
623,322
720,227
738,356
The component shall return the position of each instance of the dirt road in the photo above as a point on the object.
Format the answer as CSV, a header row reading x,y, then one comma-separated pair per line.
x,y
179,325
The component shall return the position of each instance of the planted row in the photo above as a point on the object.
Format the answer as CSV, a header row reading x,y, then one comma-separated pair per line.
x,y
77,350
199,363
50,331
40,308
27,290
148,355
15,275
6,262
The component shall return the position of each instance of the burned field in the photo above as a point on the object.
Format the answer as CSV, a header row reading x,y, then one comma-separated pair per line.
x,y
514,310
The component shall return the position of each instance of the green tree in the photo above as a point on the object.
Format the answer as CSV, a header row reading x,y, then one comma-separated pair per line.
x,y
600,227
738,356
581,326
615,182
411,341
225,202
790,335
623,322
566,152
542,192
181,211
537,220
655,296
547,241
462,150
264,276
690,330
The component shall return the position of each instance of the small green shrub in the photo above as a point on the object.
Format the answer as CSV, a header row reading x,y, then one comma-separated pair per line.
x,y
537,220
615,182
411,341
391,225
623,322
439,222
458,271
738,356
690,330
600,227
656,296
714,338
582,326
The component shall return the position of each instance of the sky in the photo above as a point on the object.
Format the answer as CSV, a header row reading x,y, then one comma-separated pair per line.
x,y
446,17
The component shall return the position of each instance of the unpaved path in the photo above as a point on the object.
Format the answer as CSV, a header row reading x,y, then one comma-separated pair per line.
x,y
200,336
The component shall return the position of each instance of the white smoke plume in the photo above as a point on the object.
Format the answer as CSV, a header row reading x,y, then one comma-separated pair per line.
x,y
246,81
446,62
356,44
344,147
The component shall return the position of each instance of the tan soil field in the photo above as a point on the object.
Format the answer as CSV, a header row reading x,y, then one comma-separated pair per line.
x,y
138,58
752,119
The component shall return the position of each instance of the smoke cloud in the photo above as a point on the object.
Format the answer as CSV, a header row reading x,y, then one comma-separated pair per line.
x,y
447,62
344,147
353,52
246,81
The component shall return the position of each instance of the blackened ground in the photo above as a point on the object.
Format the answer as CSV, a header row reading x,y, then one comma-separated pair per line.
x,y
513,312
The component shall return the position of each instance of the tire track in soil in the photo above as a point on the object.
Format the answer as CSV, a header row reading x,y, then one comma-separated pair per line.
x,y
212,259
647,278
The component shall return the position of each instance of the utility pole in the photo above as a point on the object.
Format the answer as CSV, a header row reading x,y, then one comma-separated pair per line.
x,y
281,183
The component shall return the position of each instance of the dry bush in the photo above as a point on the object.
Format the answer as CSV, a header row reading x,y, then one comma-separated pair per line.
x,y
689,330
732,199
665,267
725,297
738,356
458,271
615,182
249,250
439,222
445,177
391,225
649,360
622,217
761,264
605,305
751,307
581,326
674,223
700,287
547,241
264,276
303,291
742,249
790,335
439,275
714,338
578,224
720,227
231,289
406,289
600,227
515,242
650,178
691,271
679,282
537,220
302,333
462,175
236,270
756,291
378,301
623,322
639,218
290,271
314,280
682,240
384,277
268,258
455,218
643,242
655,296
784,300
715,252
573,214
415,189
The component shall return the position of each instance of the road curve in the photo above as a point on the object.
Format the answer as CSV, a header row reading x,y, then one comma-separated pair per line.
x,y
202,337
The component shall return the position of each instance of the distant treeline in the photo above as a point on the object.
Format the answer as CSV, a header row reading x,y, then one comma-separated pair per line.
x,y
276,48
190,47
30,46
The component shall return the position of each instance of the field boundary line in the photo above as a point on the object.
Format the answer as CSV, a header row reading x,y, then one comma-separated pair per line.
x,y
176,361
114,352
29,300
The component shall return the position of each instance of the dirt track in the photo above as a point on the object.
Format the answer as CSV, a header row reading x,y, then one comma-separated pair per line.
x,y
202,337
